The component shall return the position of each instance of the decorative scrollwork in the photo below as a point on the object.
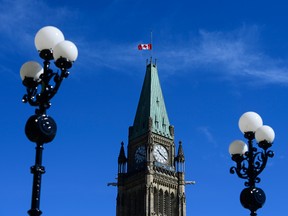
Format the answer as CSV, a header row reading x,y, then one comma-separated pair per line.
x,y
251,164
49,83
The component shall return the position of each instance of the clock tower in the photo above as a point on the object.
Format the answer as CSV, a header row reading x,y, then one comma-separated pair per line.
x,y
151,177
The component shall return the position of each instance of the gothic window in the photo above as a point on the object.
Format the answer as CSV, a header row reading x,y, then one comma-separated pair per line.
x,y
142,201
122,202
156,198
173,205
167,204
134,203
129,208
180,166
123,197
161,202
136,200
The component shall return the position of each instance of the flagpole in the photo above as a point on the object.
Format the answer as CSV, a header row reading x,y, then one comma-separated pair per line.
x,y
148,46
151,36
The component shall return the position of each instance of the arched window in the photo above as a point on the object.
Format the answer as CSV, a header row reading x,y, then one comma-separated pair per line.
x,y
173,205
129,206
137,203
156,201
167,204
161,202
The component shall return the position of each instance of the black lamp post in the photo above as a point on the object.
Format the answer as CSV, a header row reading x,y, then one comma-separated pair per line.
x,y
42,84
249,161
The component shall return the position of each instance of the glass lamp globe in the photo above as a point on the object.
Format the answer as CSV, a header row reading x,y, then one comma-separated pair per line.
x,y
250,122
47,37
65,49
31,69
265,133
238,147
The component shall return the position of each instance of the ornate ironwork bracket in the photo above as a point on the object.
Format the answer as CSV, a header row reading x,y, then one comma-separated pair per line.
x,y
41,97
252,163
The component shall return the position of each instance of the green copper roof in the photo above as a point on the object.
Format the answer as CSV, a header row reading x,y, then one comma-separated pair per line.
x,y
151,107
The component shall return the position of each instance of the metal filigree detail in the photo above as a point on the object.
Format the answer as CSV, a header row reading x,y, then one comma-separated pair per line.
x,y
49,83
252,163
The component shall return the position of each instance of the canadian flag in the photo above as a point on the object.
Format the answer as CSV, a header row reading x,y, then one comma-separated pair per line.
x,y
144,46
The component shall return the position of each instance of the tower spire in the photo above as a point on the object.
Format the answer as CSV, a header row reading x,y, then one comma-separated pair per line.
x,y
180,156
122,160
151,107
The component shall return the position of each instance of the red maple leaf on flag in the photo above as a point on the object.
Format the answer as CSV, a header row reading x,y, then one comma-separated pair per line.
x,y
144,46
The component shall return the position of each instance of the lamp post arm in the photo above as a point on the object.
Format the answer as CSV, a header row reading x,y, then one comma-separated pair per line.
x,y
260,160
250,165
58,80
42,97
30,96
240,169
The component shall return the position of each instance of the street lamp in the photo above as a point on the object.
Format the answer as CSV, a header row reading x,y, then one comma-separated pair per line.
x,y
41,85
249,161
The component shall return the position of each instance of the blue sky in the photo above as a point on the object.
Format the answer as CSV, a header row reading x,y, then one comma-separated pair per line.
x,y
216,60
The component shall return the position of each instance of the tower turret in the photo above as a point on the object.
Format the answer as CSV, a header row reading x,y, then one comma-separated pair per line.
x,y
180,159
122,160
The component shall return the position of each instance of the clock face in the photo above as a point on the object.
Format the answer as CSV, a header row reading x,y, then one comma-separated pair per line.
x,y
140,154
160,154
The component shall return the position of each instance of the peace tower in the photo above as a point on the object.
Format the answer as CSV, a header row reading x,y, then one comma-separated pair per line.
x,y
151,177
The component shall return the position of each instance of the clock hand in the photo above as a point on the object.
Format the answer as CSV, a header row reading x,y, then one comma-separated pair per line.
x,y
141,154
162,155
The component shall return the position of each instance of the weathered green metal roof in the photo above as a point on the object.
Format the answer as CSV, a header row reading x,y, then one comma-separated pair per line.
x,y
151,107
